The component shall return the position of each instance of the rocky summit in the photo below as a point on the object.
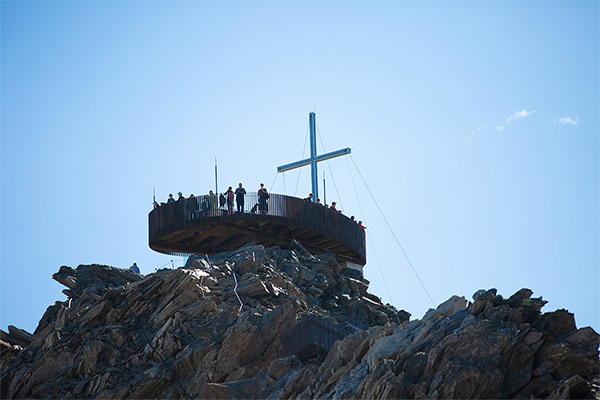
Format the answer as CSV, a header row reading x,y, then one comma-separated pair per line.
x,y
283,323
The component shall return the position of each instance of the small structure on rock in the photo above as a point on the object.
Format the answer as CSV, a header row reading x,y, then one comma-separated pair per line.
x,y
314,336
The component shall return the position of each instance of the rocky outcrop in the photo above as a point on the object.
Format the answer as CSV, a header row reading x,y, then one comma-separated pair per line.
x,y
214,328
492,348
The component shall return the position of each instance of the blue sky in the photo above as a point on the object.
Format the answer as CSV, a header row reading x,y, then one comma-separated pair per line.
x,y
474,124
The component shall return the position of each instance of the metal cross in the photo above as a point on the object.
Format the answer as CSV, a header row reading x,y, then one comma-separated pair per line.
x,y
314,159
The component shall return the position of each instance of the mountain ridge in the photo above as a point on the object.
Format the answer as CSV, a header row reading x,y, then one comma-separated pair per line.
x,y
214,328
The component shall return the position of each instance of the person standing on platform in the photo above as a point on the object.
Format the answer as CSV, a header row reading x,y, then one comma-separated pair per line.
x,y
170,199
240,192
135,268
180,196
212,202
229,195
263,195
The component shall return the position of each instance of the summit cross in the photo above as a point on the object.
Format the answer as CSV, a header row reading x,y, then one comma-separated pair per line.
x,y
314,159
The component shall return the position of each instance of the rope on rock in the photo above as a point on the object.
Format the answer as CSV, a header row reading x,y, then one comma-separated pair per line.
x,y
152,347
235,291
236,284
392,231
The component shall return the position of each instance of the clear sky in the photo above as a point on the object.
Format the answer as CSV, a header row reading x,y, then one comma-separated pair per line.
x,y
474,124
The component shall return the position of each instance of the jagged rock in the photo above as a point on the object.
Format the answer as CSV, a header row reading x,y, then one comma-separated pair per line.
x,y
215,391
17,336
93,277
119,335
251,286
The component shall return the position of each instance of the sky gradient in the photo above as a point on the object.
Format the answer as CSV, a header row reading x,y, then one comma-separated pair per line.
x,y
474,124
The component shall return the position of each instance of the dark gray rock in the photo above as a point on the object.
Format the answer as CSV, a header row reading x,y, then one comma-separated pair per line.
x,y
109,339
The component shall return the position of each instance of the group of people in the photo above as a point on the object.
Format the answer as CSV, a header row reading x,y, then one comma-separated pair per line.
x,y
262,207
334,208
228,198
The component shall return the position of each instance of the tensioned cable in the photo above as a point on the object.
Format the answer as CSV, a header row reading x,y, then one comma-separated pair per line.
x,y
162,266
302,158
271,188
330,171
152,347
392,231
372,244
284,191
371,239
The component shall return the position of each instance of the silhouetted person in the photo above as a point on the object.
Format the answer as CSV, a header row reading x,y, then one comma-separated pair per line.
x,y
212,201
170,199
229,196
192,206
263,195
310,197
240,192
135,268
180,196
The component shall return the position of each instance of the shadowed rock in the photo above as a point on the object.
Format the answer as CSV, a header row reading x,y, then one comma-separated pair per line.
x,y
179,333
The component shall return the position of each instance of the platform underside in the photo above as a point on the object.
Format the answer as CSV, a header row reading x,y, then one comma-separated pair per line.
x,y
229,232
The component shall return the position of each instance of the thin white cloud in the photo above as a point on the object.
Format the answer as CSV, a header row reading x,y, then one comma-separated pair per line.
x,y
519,115
480,129
568,121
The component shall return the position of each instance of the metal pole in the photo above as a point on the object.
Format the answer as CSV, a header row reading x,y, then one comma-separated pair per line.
x,y
324,190
216,188
313,154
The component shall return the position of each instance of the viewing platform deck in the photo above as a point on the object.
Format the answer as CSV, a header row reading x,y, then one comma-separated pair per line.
x,y
197,226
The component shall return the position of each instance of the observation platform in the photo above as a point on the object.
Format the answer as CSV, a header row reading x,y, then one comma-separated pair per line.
x,y
196,226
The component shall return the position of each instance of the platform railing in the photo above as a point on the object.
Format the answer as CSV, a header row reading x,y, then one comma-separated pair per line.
x,y
211,206
192,211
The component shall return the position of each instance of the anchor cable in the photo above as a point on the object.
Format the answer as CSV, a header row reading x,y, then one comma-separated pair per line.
x,y
369,236
330,171
302,158
272,184
393,234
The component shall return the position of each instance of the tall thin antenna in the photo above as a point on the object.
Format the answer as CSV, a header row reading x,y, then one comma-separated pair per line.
x,y
216,187
153,195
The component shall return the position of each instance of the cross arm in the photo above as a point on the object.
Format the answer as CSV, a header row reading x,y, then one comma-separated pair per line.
x,y
307,161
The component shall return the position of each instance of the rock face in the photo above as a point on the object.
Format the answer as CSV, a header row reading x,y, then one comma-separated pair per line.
x,y
186,332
